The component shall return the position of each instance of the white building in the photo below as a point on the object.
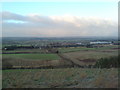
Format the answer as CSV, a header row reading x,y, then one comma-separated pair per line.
x,y
99,42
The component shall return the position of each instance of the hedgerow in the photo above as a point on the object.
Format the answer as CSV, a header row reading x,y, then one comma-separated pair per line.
x,y
111,62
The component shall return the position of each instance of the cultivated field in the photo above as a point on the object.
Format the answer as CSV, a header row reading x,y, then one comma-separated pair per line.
x,y
32,61
88,56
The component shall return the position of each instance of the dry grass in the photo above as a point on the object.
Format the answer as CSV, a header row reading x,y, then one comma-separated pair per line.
x,y
90,54
85,57
54,78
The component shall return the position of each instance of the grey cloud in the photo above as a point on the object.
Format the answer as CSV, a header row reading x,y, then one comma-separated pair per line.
x,y
12,16
46,26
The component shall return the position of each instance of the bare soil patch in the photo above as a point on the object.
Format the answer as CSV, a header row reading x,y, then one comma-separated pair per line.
x,y
88,60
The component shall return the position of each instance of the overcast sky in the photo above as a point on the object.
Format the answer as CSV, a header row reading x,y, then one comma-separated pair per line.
x,y
59,19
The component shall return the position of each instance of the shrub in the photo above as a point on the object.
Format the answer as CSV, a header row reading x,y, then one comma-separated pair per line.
x,y
108,62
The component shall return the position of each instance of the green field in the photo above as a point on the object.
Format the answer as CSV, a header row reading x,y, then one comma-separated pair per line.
x,y
65,50
80,55
53,78
74,49
90,54
30,60
32,56
24,50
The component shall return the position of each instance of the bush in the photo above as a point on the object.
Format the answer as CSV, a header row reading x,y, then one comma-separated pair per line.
x,y
108,62
6,63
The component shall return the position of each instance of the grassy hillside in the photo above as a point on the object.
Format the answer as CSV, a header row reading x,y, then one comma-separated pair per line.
x,y
53,78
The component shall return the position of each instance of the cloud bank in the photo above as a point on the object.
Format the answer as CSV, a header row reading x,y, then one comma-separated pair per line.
x,y
33,25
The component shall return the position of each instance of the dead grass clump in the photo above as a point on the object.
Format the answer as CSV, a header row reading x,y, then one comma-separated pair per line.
x,y
99,81
83,75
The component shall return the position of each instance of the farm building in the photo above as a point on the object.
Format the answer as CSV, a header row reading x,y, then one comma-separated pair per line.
x,y
100,42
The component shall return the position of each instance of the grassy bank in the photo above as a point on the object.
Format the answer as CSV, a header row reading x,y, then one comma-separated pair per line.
x,y
69,77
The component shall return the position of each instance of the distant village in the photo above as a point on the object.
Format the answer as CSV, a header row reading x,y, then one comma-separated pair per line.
x,y
92,44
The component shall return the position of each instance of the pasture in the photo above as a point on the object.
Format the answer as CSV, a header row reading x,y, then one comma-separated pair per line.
x,y
80,55
75,49
30,60
32,56
89,56
25,50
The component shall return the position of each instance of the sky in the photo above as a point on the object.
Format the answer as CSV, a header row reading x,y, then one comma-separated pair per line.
x,y
59,19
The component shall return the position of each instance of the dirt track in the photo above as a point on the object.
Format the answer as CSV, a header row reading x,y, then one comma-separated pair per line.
x,y
75,62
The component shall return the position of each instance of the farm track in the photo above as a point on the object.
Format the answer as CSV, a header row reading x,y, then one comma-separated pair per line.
x,y
75,62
